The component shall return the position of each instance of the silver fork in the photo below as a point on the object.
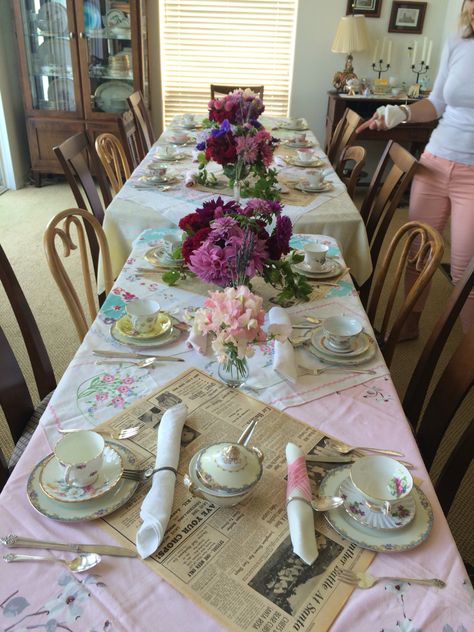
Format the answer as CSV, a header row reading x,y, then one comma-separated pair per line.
x,y
140,475
364,580
124,433
345,448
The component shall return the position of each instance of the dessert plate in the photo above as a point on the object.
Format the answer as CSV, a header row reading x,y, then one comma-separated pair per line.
x,y
157,257
321,188
170,336
383,541
331,268
173,158
157,179
359,344
291,142
402,514
161,327
317,162
52,481
360,353
88,509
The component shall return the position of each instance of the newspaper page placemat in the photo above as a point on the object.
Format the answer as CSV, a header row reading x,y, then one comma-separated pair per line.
x,y
237,563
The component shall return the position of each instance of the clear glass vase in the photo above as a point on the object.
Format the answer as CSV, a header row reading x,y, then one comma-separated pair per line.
x,y
237,187
233,371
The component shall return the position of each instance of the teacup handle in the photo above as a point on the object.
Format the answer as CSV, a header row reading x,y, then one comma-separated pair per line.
x,y
68,474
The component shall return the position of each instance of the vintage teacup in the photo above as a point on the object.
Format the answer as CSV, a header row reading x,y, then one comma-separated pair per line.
x,y
296,123
166,151
315,255
179,137
188,119
143,314
340,331
313,179
300,138
80,455
305,155
170,243
157,169
382,481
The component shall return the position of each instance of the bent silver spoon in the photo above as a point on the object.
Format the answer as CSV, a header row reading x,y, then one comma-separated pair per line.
x,y
82,562
319,503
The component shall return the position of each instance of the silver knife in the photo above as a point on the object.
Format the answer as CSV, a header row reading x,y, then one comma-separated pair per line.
x,y
13,540
337,458
134,356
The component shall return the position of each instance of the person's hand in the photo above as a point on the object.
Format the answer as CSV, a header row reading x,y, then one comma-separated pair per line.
x,y
377,122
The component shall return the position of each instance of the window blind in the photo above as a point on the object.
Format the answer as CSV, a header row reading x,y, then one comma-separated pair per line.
x,y
231,42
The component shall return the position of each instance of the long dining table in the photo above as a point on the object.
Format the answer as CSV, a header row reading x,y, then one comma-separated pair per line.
x,y
124,594
140,205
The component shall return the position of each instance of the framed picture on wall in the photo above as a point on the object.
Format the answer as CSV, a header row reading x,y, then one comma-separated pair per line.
x,y
407,17
369,8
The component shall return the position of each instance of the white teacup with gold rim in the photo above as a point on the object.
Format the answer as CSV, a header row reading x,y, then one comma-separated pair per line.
x,y
166,151
306,155
312,179
80,456
315,255
143,314
340,332
382,480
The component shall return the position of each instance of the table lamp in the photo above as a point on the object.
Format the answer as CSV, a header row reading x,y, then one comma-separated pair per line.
x,y
351,36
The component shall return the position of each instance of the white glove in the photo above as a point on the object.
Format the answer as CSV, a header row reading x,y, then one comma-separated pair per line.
x,y
392,114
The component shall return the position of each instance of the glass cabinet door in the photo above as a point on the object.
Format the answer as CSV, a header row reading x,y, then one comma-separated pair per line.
x,y
49,48
107,30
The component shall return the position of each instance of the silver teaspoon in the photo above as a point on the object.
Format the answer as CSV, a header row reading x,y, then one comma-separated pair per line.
x,y
78,564
320,503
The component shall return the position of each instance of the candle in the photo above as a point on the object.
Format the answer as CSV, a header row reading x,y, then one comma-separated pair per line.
x,y
428,56
389,54
382,53
413,59
376,52
423,54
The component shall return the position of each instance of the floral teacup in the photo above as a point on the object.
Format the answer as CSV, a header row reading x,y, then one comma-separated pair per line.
x,y
80,455
382,481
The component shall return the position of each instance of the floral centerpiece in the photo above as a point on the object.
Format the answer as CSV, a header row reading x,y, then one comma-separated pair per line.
x,y
228,244
233,318
236,140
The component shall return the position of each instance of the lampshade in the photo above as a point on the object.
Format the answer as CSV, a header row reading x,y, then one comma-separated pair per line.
x,y
351,35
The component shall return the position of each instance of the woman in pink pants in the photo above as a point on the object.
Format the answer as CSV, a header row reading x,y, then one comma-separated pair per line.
x,y
443,186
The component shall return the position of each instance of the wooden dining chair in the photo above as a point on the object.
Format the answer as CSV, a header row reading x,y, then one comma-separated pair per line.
x,y
343,135
113,159
453,386
60,229
350,166
419,246
16,401
421,377
137,105
218,89
130,139
391,179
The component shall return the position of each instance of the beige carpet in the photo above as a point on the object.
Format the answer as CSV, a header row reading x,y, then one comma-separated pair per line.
x,y
24,215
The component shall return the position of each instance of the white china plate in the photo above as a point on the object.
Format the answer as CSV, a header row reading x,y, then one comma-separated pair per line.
x,y
327,186
116,18
317,162
149,179
161,327
293,128
298,145
383,541
88,509
111,96
353,358
402,514
174,157
170,336
331,268
61,91
52,482
359,345
157,257
188,141
55,52
52,18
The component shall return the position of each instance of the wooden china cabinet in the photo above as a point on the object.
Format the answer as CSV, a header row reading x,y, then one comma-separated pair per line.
x,y
79,61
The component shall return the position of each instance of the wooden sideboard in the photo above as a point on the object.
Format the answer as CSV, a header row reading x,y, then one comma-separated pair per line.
x,y
415,135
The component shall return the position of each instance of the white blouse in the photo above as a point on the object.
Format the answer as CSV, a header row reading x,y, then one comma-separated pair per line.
x,y
453,99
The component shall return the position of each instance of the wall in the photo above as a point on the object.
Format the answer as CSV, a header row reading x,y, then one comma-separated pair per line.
x,y
315,64
14,144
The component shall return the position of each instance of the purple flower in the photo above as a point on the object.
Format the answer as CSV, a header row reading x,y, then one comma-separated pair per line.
x,y
279,242
201,146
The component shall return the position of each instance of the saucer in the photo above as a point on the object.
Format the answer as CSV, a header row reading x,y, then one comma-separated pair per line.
x,y
293,128
87,509
317,162
187,141
402,513
330,269
157,257
157,180
170,336
364,350
162,326
326,186
51,479
173,158
383,541
298,145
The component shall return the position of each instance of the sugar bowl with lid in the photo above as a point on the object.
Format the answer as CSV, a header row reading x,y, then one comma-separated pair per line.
x,y
224,473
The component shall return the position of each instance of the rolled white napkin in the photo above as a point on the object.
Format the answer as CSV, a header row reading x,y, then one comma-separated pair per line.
x,y
300,512
190,178
284,360
279,161
392,114
156,508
